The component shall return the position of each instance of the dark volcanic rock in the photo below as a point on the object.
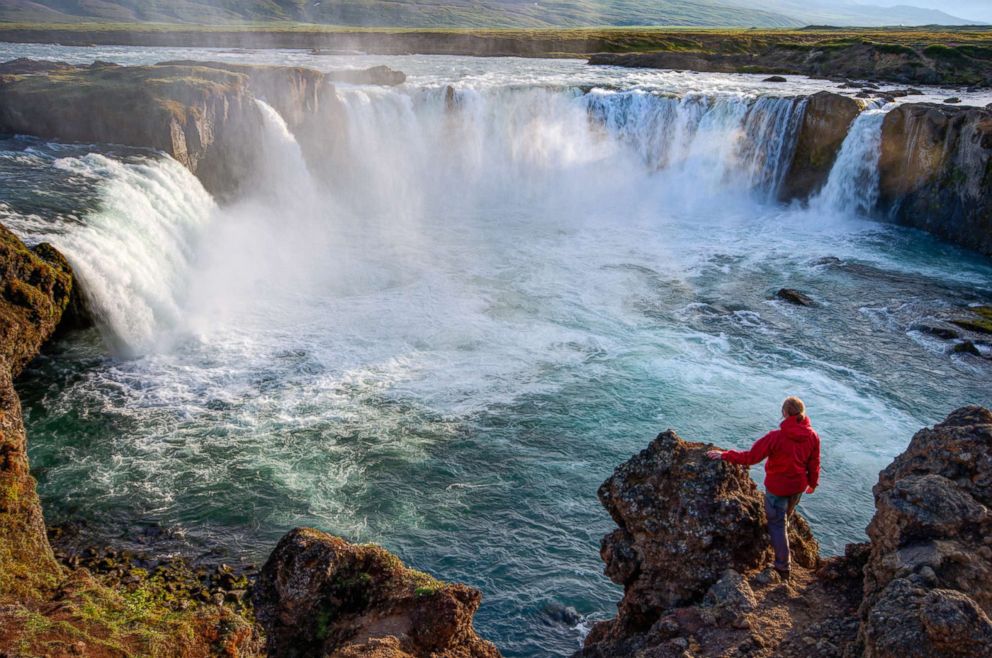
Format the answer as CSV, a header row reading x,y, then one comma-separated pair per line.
x,y
775,78
684,520
928,581
318,595
793,296
934,172
825,124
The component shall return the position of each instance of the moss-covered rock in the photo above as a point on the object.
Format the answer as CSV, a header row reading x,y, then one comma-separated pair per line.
x,y
320,595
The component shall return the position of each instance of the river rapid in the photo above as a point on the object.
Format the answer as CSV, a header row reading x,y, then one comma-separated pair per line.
x,y
445,343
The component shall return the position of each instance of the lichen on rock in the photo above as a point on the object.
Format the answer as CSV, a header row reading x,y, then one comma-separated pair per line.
x,y
318,595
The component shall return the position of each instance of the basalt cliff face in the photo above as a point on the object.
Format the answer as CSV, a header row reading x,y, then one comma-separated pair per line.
x,y
691,554
203,114
935,172
35,288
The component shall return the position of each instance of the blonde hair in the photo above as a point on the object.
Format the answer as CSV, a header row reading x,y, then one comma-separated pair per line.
x,y
793,406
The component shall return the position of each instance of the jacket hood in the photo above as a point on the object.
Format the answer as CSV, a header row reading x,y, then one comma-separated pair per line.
x,y
797,429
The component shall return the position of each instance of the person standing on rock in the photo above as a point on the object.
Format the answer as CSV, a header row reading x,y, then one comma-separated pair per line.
x,y
793,467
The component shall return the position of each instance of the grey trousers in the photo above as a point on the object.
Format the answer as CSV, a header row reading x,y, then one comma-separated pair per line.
x,y
778,509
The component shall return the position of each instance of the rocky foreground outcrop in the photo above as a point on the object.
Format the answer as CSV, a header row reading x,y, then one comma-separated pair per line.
x,y
690,552
203,114
928,580
318,595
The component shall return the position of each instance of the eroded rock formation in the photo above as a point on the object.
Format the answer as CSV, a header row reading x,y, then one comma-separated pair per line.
x,y
827,118
203,114
935,171
928,580
35,288
688,528
319,595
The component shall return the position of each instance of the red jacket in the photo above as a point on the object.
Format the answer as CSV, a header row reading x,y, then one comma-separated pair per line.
x,y
793,453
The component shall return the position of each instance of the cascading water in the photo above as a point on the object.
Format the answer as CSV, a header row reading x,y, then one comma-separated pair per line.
x,y
718,142
446,335
852,187
133,255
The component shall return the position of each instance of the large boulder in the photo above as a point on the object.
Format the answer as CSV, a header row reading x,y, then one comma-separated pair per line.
x,y
827,118
928,580
318,595
935,171
683,521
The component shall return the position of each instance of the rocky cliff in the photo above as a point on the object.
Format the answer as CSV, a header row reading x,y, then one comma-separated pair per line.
x,y
35,288
935,172
935,165
47,609
928,579
201,113
690,551
826,120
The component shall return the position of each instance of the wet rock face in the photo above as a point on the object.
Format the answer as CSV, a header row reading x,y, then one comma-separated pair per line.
x,y
825,124
684,520
928,581
934,171
318,595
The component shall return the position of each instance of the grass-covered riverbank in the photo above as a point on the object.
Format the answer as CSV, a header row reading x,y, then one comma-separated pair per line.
x,y
528,42
936,55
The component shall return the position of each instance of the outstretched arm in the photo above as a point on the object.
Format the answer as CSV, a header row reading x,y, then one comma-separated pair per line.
x,y
747,458
813,467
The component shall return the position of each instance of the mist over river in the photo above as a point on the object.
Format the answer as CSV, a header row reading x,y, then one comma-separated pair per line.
x,y
511,276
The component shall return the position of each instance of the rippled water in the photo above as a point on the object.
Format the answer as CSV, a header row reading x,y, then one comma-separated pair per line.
x,y
446,344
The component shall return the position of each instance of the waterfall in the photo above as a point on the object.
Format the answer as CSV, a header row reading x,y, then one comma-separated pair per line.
x,y
284,169
133,254
714,141
852,187
412,158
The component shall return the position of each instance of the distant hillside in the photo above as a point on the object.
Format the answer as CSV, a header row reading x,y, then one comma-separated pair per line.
x,y
406,13
861,13
475,13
